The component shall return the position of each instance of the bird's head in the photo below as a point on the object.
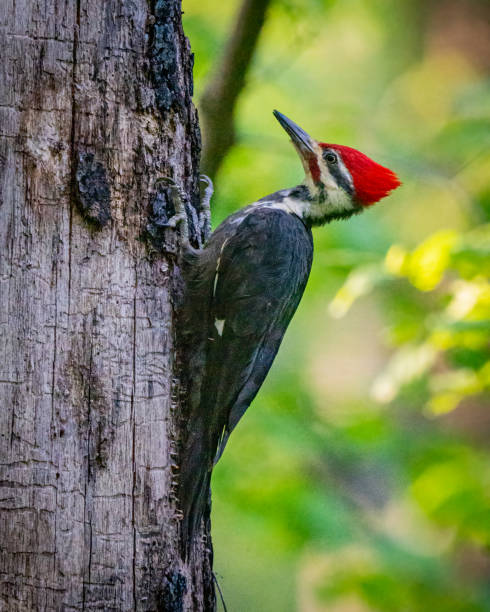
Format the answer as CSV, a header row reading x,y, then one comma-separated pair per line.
x,y
341,181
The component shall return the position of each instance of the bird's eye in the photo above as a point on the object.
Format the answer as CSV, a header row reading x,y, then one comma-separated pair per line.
x,y
331,158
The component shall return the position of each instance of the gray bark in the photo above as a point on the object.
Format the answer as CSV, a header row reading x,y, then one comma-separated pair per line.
x,y
94,106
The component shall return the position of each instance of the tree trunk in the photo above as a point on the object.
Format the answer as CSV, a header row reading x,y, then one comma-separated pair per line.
x,y
95,104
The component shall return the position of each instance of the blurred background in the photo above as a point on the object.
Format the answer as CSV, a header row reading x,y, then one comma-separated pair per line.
x,y
359,479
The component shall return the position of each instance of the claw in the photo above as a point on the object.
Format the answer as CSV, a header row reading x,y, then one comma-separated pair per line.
x,y
205,216
175,220
180,217
204,178
178,200
167,180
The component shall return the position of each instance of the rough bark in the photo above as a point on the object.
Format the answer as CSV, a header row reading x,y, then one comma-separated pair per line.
x,y
95,104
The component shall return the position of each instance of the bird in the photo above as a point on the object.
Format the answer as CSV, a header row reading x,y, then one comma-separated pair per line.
x,y
244,287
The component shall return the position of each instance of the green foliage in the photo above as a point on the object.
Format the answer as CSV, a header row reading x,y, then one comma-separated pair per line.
x,y
360,477
446,346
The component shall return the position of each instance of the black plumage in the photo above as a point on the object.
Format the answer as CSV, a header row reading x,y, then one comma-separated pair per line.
x,y
248,282
245,286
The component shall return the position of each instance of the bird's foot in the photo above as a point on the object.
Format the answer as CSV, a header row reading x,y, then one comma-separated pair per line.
x,y
179,218
205,214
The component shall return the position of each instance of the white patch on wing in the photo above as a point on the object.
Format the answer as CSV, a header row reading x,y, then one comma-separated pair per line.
x,y
215,284
219,324
237,220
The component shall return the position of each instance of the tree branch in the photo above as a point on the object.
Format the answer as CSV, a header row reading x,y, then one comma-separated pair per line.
x,y
219,99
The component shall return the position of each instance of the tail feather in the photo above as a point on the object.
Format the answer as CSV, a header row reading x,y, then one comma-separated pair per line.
x,y
194,489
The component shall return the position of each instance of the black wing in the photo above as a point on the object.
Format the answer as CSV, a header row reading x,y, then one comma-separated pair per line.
x,y
261,273
260,279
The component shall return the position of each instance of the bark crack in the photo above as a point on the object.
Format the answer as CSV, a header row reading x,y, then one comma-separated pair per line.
x,y
73,168
11,276
55,338
133,418
53,380
86,510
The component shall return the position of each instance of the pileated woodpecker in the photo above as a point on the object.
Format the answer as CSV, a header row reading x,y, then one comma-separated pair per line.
x,y
245,285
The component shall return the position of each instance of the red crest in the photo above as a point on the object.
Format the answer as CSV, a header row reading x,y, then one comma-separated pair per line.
x,y
371,180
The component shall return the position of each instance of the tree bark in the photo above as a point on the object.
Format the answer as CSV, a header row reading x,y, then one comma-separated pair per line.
x,y
95,104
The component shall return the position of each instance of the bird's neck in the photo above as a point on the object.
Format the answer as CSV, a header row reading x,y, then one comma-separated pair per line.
x,y
312,207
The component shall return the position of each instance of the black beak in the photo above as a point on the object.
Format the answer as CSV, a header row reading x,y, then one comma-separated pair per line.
x,y
300,138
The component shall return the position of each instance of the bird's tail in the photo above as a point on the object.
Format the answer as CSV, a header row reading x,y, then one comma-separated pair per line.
x,y
194,489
